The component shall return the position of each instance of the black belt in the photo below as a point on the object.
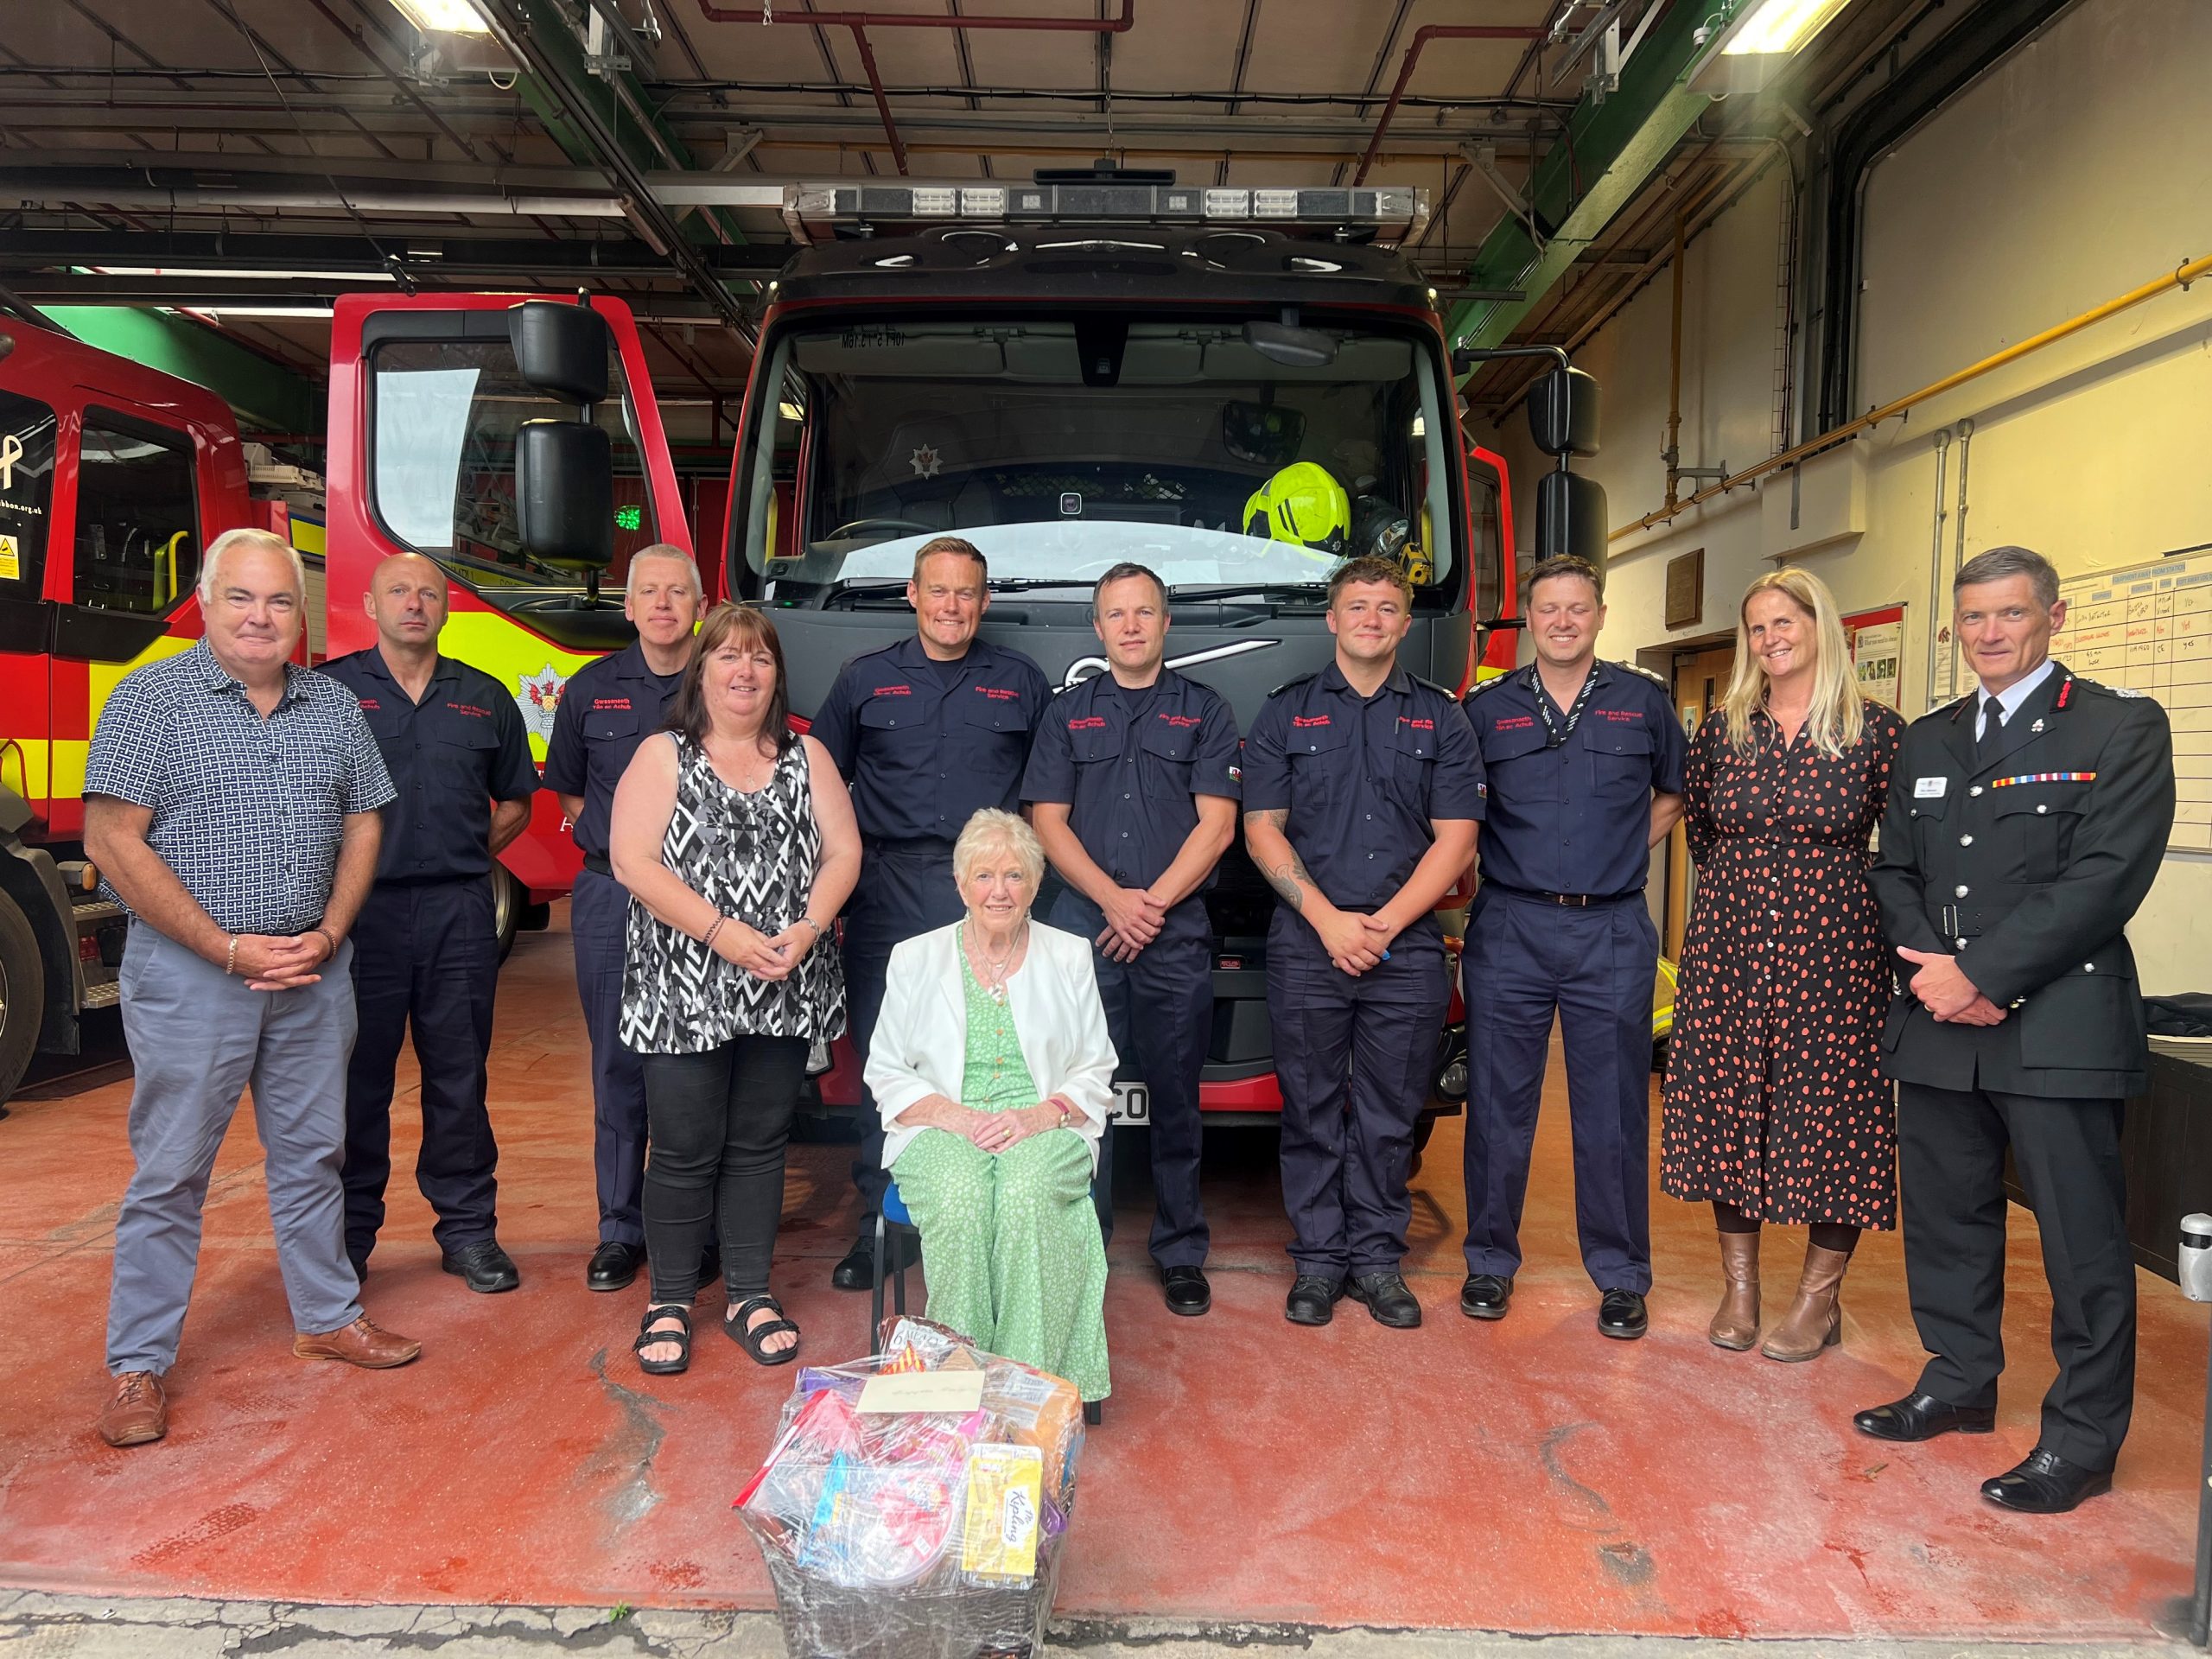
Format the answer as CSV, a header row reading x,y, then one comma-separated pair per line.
x,y
912,847
1573,901
597,864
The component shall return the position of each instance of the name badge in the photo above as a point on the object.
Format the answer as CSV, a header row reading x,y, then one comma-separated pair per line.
x,y
1925,789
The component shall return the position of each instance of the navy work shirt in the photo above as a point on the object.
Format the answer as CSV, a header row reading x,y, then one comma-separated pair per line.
x,y
1361,779
926,744
450,756
1574,815
1128,763
608,709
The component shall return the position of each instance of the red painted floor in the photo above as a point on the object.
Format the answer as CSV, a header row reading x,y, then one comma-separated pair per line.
x,y
1526,1476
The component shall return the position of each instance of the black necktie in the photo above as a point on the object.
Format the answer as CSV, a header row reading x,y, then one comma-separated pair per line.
x,y
1992,728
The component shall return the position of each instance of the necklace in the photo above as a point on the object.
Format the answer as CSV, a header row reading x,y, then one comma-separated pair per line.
x,y
991,971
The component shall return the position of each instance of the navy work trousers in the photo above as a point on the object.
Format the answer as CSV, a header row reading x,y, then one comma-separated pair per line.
x,y
1159,1014
1353,1057
425,957
599,915
906,889
1526,961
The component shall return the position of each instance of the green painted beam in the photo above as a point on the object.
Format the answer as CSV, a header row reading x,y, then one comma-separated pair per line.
x,y
551,30
263,395
1613,149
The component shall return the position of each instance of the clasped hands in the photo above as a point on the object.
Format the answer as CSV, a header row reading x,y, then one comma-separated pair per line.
x,y
1355,943
1134,918
998,1132
1945,991
280,962
762,954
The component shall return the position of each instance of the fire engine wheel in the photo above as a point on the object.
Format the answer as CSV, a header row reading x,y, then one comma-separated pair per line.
x,y
23,996
507,901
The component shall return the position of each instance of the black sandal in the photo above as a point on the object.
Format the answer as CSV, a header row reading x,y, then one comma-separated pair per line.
x,y
648,1337
750,1339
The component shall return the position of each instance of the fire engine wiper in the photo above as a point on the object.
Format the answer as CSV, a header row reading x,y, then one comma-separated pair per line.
x,y
1281,593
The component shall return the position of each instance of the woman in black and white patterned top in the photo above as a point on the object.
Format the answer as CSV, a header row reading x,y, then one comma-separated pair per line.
x,y
736,839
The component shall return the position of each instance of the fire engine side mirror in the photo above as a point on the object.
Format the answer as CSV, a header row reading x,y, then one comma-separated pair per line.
x,y
1571,518
1563,413
564,493
561,350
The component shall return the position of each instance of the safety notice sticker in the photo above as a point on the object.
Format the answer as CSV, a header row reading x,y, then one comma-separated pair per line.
x,y
11,561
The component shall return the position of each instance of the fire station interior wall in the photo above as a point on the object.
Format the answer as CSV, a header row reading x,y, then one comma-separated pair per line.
x,y
2070,173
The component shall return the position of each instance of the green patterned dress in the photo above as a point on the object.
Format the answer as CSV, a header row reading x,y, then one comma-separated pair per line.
x,y
1010,1243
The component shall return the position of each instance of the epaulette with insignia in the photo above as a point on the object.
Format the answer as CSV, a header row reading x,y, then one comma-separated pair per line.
x,y
2109,691
1444,692
1295,679
1638,668
1950,710
1490,684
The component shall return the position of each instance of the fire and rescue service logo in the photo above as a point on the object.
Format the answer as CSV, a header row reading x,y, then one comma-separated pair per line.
x,y
538,696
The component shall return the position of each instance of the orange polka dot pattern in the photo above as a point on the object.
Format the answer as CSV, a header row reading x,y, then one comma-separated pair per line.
x,y
1774,1099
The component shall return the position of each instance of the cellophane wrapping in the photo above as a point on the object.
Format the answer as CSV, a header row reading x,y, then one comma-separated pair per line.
x,y
918,1535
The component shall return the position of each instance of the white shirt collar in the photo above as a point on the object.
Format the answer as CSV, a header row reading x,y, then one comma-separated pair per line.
x,y
2014,695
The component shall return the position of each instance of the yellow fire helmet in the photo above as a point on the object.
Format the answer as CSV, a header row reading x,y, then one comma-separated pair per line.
x,y
1303,504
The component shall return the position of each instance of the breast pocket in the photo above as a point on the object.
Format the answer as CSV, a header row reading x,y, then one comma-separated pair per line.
x,y
1413,768
610,725
1620,759
1926,815
1170,751
463,754
1318,764
2037,824
1520,768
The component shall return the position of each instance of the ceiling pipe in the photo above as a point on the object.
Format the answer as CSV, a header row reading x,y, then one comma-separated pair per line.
x,y
860,22
25,191
1422,36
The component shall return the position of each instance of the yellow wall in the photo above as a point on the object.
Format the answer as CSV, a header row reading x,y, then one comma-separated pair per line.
x,y
2075,170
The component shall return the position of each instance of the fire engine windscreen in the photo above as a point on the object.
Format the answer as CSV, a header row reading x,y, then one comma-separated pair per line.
x,y
1061,449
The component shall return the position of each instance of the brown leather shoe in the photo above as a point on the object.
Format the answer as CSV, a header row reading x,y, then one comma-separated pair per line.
x,y
1736,1325
1815,1321
138,1412
359,1343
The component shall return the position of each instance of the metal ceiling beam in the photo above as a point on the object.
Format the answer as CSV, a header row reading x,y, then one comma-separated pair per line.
x,y
570,260
1610,151
263,395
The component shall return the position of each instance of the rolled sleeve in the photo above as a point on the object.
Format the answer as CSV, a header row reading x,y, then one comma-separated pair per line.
x,y
1218,769
1462,788
1266,764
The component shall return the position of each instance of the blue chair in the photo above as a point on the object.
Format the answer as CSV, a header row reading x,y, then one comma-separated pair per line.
x,y
892,1216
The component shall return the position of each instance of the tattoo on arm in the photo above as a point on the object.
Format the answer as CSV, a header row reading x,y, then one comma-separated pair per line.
x,y
1285,877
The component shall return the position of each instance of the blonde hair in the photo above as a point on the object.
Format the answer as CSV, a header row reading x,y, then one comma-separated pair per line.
x,y
991,831
1838,717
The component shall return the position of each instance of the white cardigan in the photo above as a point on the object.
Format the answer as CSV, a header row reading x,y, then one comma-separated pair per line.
x,y
921,1046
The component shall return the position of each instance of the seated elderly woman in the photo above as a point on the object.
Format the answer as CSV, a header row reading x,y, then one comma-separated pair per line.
x,y
992,1067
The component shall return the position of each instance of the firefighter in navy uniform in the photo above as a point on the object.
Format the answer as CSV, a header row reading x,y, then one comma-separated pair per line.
x,y
925,732
608,707
1585,760
1362,790
2025,823
1133,785
426,948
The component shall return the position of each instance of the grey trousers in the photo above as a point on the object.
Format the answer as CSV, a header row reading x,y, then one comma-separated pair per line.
x,y
198,1037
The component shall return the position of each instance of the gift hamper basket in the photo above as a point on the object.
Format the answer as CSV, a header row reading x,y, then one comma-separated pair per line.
x,y
915,1503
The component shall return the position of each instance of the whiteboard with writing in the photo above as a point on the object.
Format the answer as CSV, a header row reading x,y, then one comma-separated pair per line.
x,y
2147,628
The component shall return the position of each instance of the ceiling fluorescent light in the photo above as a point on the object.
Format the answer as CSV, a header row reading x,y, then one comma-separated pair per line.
x,y
1751,47
443,16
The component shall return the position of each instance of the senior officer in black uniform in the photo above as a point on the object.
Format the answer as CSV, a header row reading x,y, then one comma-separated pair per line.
x,y
426,948
1585,760
1134,785
608,709
926,731
2025,823
1362,791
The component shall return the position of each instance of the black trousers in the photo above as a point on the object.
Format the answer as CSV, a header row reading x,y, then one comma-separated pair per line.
x,y
428,958
1951,1166
718,1124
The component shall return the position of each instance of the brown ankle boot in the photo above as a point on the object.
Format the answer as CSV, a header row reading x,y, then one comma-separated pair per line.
x,y
1736,1325
1815,1317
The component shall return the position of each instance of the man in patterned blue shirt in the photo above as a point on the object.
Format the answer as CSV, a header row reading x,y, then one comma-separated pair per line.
x,y
230,802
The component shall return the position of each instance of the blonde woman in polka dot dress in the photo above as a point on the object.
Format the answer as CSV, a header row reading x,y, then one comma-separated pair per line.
x,y
994,1072
1774,1108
